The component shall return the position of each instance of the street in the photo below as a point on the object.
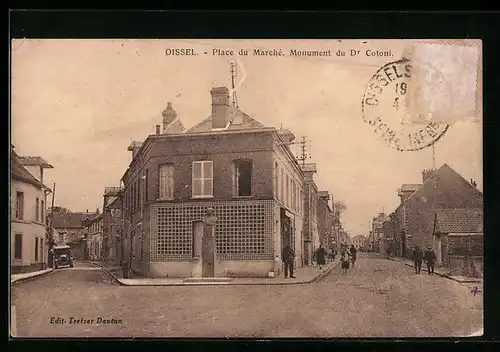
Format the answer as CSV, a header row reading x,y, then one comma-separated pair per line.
x,y
378,298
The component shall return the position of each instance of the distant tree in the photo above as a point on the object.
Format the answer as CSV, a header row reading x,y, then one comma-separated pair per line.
x,y
61,210
339,208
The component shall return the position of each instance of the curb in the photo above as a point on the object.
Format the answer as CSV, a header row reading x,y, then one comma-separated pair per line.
x,y
110,274
317,278
22,279
471,281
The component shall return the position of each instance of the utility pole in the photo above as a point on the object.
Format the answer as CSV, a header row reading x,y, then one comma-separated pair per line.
x,y
233,67
51,229
303,151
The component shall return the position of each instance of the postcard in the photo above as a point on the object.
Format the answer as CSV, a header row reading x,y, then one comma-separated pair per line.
x,y
246,188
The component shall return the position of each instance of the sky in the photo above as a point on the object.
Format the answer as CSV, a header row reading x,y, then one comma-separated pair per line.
x,y
79,104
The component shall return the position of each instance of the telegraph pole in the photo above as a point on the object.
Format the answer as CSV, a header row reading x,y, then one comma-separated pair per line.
x,y
233,67
304,155
51,229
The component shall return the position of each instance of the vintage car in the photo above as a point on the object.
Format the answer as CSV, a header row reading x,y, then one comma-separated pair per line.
x,y
62,256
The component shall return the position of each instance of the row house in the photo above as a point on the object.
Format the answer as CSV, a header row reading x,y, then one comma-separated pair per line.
x,y
445,203
29,240
360,242
230,163
94,241
377,232
112,224
311,232
325,220
69,228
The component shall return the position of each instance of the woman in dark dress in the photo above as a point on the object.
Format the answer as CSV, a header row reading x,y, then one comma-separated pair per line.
x,y
320,256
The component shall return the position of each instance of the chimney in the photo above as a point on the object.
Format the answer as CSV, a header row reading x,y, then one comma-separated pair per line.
x,y
220,107
427,173
158,129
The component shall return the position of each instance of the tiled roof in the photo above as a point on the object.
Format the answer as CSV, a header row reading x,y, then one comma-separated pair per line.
x,y
71,220
35,161
19,171
239,118
459,220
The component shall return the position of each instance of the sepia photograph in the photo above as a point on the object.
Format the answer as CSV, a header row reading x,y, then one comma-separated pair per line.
x,y
246,188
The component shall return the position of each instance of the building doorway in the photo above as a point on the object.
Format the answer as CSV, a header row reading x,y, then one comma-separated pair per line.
x,y
286,231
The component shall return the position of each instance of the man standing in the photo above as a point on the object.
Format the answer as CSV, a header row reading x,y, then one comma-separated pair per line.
x,y
288,257
417,259
353,254
430,259
320,256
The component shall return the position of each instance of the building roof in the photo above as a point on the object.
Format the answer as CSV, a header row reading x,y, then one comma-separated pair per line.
x,y
19,172
448,189
239,119
110,201
459,220
35,161
71,220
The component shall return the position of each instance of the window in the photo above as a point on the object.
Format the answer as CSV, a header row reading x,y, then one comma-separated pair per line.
x,y
20,205
18,246
61,237
203,179
294,196
41,248
282,187
276,181
37,210
36,249
42,212
287,196
243,178
166,176
146,190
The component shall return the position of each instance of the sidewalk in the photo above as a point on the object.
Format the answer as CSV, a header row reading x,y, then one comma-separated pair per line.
x,y
303,275
440,271
21,277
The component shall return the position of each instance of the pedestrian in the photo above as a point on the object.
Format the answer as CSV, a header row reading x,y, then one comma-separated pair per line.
x,y
353,253
288,257
430,259
320,256
417,259
344,258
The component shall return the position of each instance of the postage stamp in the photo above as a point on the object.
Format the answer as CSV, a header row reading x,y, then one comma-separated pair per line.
x,y
385,109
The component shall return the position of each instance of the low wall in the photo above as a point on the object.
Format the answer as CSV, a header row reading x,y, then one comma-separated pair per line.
x,y
223,268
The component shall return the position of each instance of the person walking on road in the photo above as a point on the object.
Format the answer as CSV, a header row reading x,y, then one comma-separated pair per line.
x,y
320,256
344,259
430,259
353,253
417,259
288,257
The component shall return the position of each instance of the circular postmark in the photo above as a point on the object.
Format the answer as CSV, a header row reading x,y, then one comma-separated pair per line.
x,y
385,109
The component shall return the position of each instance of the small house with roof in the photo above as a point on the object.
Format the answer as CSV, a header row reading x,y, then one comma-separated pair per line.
x,y
229,162
458,239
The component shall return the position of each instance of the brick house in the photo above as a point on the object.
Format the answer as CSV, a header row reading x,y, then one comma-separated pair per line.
x,y
29,242
377,232
229,162
414,218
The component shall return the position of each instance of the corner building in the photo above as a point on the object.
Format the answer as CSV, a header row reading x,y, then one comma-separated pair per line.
x,y
230,162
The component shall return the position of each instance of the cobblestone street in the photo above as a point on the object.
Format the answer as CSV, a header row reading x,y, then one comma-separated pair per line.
x,y
378,298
